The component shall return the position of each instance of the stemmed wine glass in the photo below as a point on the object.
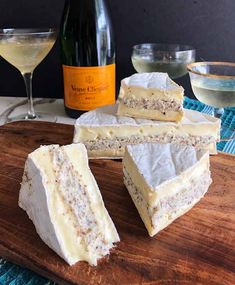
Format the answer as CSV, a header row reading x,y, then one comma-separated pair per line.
x,y
25,49
213,84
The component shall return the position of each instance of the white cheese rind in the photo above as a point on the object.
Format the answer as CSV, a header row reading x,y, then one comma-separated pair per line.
x,y
158,81
33,198
162,163
60,178
165,181
104,124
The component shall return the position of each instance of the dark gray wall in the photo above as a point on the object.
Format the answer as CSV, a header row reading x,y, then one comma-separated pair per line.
x,y
208,25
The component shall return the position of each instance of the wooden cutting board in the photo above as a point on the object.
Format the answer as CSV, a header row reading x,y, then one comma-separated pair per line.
x,y
198,248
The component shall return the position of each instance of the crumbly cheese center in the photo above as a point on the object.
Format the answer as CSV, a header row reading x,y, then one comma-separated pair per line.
x,y
152,104
71,186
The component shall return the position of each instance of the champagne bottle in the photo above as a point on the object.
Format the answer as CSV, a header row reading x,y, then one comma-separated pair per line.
x,y
88,56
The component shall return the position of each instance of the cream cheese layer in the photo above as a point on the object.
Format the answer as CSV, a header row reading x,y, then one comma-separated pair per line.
x,y
160,115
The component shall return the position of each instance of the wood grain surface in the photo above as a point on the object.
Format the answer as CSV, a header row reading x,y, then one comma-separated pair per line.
x,y
198,248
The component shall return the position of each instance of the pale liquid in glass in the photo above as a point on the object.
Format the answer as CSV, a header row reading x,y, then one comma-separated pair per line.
x,y
25,55
217,93
173,68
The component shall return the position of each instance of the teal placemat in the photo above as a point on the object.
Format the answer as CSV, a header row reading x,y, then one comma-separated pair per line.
x,y
228,121
11,274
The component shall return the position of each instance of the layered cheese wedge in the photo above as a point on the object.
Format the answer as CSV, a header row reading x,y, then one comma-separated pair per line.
x,y
151,96
105,134
61,197
165,181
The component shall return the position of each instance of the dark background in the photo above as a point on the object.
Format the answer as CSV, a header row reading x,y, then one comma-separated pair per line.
x,y
208,25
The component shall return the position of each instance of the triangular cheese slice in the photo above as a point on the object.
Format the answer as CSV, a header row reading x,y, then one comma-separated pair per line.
x,y
61,197
152,96
165,181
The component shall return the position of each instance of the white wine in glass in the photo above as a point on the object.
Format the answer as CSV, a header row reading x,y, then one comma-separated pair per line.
x,y
174,69
170,58
25,49
213,92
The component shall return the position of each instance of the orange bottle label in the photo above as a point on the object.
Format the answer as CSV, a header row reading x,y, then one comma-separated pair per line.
x,y
86,88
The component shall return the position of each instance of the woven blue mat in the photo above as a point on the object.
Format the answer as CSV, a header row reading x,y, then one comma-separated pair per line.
x,y
11,274
228,121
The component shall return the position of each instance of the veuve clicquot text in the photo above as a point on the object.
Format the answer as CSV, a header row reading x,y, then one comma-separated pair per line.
x,y
88,56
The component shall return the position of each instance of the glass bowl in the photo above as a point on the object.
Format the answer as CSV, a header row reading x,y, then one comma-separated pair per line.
x,y
170,58
213,83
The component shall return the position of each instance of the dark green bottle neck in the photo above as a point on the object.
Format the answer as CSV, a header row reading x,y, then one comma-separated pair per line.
x,y
86,3
86,34
86,8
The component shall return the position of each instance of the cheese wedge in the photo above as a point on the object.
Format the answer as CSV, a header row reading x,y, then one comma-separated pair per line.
x,y
165,181
151,96
61,197
105,134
